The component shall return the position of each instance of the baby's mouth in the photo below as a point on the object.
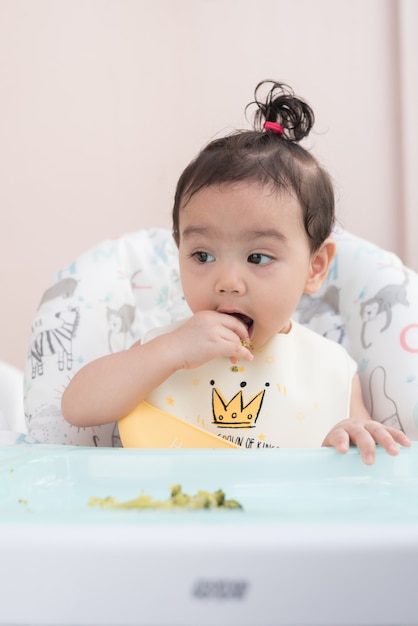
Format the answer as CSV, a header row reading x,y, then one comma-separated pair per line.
x,y
247,321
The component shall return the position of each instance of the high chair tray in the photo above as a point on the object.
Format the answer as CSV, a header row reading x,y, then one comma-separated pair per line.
x,y
322,539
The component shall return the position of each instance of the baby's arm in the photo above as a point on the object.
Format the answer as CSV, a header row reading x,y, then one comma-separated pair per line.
x,y
110,387
364,432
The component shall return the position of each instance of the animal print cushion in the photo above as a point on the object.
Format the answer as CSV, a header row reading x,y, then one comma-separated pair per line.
x,y
112,294
101,303
369,303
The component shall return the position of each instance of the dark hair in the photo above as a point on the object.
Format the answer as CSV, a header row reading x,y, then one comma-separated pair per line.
x,y
269,158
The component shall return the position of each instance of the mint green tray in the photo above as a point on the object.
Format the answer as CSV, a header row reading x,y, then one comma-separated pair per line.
x,y
51,484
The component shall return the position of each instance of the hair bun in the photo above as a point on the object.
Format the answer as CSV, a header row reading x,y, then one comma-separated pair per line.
x,y
281,106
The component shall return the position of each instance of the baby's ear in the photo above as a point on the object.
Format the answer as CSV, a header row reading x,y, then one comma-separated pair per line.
x,y
320,264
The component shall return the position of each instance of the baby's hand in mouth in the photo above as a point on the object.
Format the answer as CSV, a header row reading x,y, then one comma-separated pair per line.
x,y
246,342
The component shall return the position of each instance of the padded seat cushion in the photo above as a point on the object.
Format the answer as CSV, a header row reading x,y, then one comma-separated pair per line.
x,y
112,294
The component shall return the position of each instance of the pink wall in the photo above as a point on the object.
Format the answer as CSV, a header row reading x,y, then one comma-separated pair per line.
x,y
104,102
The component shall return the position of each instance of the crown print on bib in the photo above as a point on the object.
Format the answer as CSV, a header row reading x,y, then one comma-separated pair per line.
x,y
235,414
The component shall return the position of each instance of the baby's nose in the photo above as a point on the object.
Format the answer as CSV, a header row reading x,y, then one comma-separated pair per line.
x,y
230,280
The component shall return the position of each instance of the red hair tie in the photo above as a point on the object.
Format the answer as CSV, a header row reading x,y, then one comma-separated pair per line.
x,y
275,127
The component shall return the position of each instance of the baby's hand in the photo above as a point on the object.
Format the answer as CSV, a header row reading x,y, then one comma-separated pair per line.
x,y
209,335
365,434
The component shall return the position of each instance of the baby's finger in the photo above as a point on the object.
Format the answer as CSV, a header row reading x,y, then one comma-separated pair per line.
x,y
363,439
244,354
366,445
338,439
233,347
399,436
237,326
383,437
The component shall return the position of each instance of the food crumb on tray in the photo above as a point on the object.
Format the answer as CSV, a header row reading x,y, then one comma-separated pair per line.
x,y
178,499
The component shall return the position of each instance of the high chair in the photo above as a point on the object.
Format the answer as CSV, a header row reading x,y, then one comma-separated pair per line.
x,y
11,398
109,296
305,511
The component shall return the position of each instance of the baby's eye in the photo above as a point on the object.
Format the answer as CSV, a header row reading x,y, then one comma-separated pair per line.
x,y
259,259
203,257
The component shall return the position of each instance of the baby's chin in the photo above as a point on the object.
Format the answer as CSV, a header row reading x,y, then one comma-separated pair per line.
x,y
257,341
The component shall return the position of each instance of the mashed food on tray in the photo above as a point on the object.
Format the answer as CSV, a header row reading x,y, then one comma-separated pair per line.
x,y
177,500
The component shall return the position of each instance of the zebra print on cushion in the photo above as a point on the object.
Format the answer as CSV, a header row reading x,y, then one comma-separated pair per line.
x,y
100,303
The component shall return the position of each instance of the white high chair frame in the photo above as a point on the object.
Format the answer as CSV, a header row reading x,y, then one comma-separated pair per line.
x,y
11,398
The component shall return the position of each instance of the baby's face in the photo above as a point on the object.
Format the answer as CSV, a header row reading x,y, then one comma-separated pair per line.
x,y
243,250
